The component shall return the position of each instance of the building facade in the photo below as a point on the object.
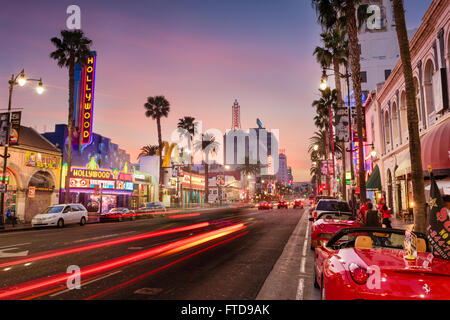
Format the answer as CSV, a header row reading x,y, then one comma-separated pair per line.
x,y
386,114
33,175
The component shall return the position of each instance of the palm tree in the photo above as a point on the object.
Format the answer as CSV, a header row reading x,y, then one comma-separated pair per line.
x,y
413,119
335,52
149,150
208,145
248,168
342,14
156,108
188,123
72,48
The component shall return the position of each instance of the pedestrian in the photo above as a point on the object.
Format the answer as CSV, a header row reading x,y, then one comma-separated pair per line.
x,y
446,199
372,219
386,214
363,211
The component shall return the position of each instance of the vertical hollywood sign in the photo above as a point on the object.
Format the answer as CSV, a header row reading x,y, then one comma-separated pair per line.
x,y
87,102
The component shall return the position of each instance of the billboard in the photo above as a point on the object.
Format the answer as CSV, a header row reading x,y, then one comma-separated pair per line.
x,y
87,101
15,127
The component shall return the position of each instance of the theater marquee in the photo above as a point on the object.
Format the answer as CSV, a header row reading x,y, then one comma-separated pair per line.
x,y
87,101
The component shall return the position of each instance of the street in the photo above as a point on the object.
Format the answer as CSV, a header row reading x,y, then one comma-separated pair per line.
x,y
249,254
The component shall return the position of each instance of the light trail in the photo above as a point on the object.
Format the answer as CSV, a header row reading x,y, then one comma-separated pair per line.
x,y
13,291
117,287
82,248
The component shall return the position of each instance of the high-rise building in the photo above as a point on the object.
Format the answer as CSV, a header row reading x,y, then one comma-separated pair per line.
x,y
282,174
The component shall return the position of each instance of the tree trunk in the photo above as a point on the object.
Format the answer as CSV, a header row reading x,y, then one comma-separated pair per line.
x,y
352,31
70,127
161,172
415,151
340,103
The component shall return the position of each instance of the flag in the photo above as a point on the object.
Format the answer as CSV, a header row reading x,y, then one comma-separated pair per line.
x,y
438,230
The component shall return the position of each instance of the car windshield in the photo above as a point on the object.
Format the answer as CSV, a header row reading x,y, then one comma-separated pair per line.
x,y
381,238
335,215
333,206
53,209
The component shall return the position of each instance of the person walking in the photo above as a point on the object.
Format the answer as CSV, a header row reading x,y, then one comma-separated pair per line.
x,y
372,219
386,214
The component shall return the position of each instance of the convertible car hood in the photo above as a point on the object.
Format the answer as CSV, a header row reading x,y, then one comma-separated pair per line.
x,y
400,279
336,222
393,260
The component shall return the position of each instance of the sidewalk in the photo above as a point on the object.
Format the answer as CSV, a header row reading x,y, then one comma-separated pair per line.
x,y
400,224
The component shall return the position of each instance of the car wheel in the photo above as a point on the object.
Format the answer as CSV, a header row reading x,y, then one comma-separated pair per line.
x,y
82,221
60,223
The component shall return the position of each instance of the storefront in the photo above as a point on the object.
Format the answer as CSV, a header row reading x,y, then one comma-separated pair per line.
x,y
32,175
100,189
143,189
192,188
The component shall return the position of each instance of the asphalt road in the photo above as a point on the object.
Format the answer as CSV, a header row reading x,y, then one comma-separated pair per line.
x,y
237,255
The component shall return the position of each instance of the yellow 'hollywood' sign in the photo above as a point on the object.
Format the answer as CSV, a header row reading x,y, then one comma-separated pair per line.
x,y
87,101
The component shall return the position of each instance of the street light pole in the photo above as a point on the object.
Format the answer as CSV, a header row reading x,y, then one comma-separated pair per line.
x,y
20,80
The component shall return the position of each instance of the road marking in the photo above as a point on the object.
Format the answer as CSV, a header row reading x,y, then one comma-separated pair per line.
x,y
302,265
305,243
4,254
85,283
301,286
15,245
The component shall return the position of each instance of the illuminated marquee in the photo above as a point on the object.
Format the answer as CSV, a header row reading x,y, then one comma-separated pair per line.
x,y
87,101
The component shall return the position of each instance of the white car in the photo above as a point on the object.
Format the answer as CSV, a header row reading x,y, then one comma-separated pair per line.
x,y
59,215
329,205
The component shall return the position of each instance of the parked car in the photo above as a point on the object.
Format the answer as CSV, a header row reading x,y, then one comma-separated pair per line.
x,y
265,205
328,223
282,204
328,205
118,214
60,215
298,204
369,263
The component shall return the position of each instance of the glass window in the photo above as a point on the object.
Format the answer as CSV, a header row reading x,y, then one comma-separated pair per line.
x,y
333,206
67,209
54,209
363,76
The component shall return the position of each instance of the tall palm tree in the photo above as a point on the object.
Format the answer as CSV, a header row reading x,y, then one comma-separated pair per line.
x,y
343,14
72,48
148,150
208,145
413,119
158,107
188,123
334,53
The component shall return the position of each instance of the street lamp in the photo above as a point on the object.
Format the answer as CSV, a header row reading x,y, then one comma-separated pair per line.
x,y
323,84
373,152
20,80
316,147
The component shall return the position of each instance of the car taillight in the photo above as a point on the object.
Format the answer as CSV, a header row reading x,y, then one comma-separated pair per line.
x,y
358,273
314,214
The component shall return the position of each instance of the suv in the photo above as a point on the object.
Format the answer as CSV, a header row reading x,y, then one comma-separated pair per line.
x,y
59,215
330,205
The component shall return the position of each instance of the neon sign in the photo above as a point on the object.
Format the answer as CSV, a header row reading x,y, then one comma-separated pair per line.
x,y
87,101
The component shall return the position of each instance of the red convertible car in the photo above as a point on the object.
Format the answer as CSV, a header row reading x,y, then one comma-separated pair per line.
x,y
370,263
327,224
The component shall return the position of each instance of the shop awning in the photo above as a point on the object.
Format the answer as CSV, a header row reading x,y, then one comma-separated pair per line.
x,y
436,147
374,182
404,168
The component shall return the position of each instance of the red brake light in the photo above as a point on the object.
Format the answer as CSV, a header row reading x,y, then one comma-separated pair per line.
x,y
358,273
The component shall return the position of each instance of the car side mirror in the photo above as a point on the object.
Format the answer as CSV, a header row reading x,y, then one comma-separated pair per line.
x,y
311,219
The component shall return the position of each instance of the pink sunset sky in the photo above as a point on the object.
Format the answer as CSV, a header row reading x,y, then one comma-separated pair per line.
x,y
200,54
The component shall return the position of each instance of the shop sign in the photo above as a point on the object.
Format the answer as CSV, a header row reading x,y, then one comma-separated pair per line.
x,y
87,101
198,181
88,173
123,185
31,192
36,159
105,184
125,177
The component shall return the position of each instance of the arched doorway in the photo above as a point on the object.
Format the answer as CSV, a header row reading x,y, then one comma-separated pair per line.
x,y
389,189
39,195
428,84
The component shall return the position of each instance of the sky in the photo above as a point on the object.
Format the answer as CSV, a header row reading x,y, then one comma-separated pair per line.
x,y
200,54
